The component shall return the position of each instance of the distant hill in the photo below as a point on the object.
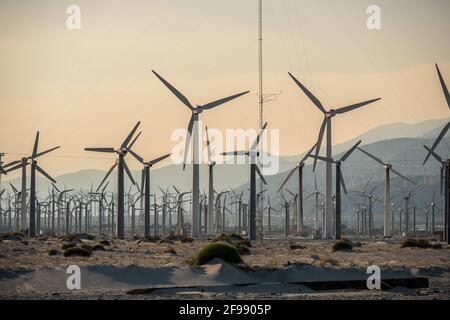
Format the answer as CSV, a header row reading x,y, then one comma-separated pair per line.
x,y
405,154
427,129
404,150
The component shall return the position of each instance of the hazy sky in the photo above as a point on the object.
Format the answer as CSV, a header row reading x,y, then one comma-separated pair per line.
x,y
89,87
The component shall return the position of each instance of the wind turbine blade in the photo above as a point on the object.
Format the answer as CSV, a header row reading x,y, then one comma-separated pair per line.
x,y
176,190
155,161
319,142
130,136
260,175
306,156
291,193
134,140
14,168
373,190
434,154
325,159
177,93
54,186
315,183
11,164
372,156
35,148
105,150
45,174
442,180
255,144
45,152
127,170
343,182
308,197
208,145
355,106
367,184
287,178
402,176
349,152
444,87
105,186
221,101
136,156
106,176
188,140
309,94
438,139
14,188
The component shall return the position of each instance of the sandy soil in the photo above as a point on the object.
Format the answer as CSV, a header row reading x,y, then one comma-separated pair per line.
x,y
28,272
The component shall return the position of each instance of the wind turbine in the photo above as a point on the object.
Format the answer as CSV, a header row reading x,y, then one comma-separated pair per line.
x,y
387,189
121,164
211,165
193,126
145,187
446,164
328,115
34,167
253,154
269,215
299,167
339,182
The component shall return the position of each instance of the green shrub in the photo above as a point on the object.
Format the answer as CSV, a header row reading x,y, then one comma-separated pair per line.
x,y
53,252
220,250
98,247
70,237
86,236
342,245
170,250
152,238
105,243
77,252
68,245
172,236
229,237
87,247
244,242
296,247
419,243
186,239
13,236
243,249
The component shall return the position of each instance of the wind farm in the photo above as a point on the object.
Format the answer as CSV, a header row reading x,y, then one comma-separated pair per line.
x,y
259,207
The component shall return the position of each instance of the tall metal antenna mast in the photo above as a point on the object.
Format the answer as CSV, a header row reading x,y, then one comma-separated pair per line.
x,y
261,97
261,111
1,163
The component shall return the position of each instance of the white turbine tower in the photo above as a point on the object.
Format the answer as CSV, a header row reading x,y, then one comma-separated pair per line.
x,y
328,232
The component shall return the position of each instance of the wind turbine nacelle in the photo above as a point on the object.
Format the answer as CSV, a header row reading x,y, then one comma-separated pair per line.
x,y
330,114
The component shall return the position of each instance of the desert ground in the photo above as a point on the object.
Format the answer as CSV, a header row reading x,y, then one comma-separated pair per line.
x,y
138,269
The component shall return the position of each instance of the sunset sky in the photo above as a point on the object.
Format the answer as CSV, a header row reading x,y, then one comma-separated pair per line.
x,y
88,87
